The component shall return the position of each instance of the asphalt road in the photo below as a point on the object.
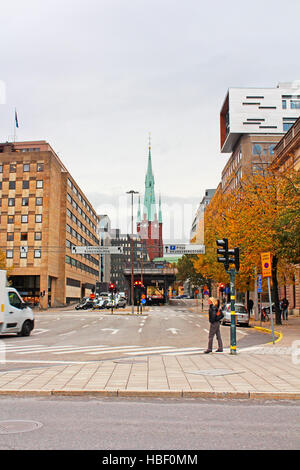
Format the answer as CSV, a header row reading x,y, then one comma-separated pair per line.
x,y
82,336
95,424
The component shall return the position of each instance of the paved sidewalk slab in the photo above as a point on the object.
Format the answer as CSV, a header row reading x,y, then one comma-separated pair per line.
x,y
214,375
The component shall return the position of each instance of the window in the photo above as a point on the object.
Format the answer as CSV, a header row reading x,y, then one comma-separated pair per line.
x,y
12,185
256,149
10,236
38,218
40,167
1,168
295,104
23,252
25,201
9,253
10,219
24,219
39,184
24,237
25,184
37,235
39,201
13,167
26,167
11,202
271,149
37,253
0,184
287,123
283,104
14,300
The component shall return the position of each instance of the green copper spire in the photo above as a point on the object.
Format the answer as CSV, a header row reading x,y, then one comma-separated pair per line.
x,y
159,211
149,199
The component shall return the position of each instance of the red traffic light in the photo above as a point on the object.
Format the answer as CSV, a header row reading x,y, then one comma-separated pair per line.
x,y
138,284
112,286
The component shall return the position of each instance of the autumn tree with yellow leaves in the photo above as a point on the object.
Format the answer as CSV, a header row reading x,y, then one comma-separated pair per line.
x,y
261,215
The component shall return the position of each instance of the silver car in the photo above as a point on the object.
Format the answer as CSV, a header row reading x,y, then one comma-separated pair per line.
x,y
241,314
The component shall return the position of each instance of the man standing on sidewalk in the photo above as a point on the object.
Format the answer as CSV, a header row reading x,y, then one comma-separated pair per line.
x,y
214,320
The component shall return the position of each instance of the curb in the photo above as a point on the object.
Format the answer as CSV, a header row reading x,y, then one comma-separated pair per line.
x,y
267,330
153,394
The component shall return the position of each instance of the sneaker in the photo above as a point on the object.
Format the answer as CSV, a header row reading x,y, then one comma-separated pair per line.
x,y
207,351
219,350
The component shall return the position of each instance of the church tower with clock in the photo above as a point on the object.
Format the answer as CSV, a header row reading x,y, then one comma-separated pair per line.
x,y
149,220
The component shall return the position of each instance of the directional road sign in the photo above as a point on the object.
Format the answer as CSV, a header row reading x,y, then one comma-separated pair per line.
x,y
184,249
97,250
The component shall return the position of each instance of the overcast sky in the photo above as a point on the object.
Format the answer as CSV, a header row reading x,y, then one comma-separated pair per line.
x,y
94,77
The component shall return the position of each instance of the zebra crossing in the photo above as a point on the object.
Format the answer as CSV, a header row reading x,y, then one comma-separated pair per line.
x,y
96,350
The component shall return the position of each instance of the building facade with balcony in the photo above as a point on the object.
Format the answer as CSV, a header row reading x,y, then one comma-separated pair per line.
x,y
252,122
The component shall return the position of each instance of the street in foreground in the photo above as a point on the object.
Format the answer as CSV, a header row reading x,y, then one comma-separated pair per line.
x,y
133,424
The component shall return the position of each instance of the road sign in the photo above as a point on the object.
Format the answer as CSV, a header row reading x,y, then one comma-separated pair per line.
x,y
97,250
259,290
184,249
266,264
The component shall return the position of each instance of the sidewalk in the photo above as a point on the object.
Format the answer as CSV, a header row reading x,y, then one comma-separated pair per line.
x,y
268,371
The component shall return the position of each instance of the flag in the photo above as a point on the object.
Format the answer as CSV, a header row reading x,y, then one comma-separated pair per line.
x,y
16,118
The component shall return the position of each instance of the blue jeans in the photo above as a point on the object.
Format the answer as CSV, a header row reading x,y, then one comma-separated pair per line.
x,y
285,314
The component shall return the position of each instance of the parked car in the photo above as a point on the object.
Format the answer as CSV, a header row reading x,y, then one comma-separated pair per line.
x,y
100,303
84,304
121,302
241,314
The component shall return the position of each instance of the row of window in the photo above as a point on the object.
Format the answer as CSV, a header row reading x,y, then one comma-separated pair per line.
x,y
25,184
81,212
83,227
80,265
294,104
26,167
25,201
82,200
259,149
24,219
10,236
23,254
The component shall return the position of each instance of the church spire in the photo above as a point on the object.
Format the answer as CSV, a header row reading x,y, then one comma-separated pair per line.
x,y
149,199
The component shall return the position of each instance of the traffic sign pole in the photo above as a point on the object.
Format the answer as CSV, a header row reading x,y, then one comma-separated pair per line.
x,y
267,272
232,309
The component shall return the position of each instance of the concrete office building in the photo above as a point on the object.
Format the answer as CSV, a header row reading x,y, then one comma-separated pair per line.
x,y
197,230
252,121
44,213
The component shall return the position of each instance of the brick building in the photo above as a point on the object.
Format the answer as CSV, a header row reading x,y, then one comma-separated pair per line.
x,y
287,156
44,213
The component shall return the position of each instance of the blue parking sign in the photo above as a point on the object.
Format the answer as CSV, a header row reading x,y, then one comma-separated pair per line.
x,y
259,290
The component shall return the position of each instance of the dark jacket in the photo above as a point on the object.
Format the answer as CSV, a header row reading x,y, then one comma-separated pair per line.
x,y
212,313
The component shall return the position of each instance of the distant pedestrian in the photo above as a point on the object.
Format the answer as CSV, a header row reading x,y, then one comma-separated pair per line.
x,y
215,316
284,308
250,306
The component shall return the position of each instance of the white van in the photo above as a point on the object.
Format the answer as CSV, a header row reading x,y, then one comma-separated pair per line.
x,y
15,315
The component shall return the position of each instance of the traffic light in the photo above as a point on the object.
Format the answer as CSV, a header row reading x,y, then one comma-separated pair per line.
x,y
223,251
237,259
112,287
228,256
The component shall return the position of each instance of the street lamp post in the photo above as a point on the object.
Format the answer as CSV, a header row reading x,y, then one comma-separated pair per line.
x,y
132,192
